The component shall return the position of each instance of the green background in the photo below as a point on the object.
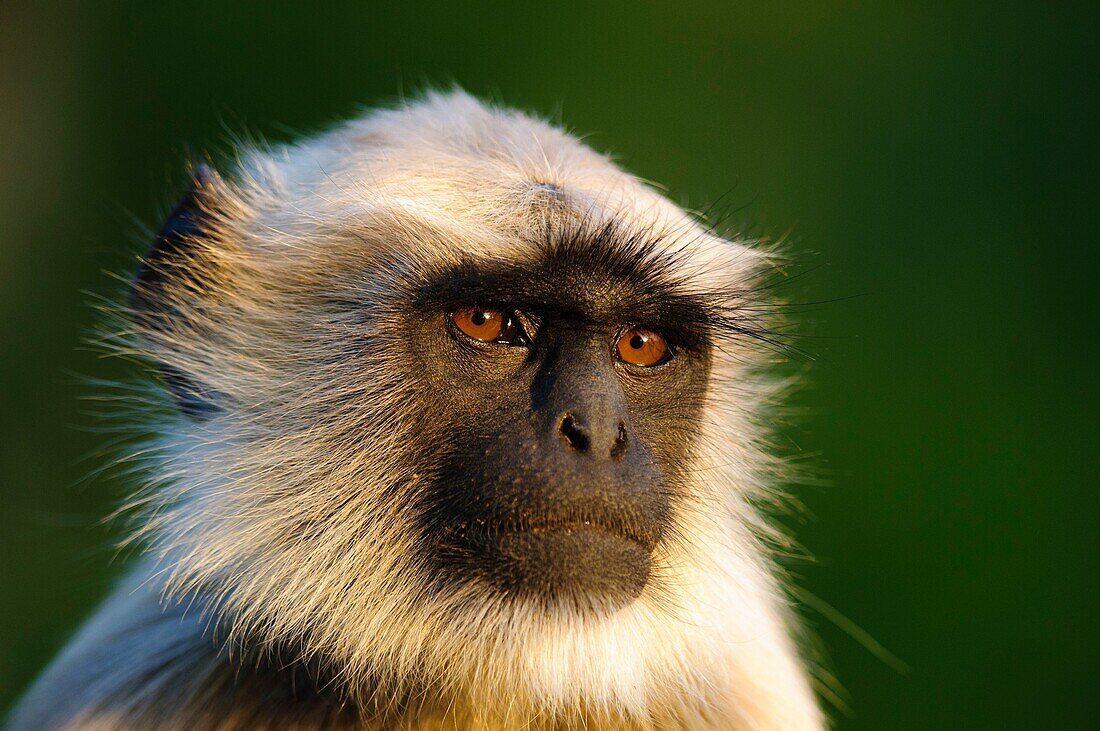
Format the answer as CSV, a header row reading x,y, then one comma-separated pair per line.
x,y
934,164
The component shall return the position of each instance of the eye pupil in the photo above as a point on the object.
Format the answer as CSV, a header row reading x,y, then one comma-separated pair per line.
x,y
637,342
479,318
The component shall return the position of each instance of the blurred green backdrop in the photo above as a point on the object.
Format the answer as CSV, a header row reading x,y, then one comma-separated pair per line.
x,y
937,159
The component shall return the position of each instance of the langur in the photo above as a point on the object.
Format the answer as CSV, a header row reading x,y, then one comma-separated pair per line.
x,y
456,425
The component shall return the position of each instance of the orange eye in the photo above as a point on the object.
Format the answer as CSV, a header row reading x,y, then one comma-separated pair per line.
x,y
642,347
481,323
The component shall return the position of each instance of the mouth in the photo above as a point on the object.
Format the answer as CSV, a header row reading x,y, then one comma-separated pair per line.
x,y
484,531
581,563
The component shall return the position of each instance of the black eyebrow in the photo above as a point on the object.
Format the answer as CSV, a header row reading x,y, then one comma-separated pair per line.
x,y
604,275
562,293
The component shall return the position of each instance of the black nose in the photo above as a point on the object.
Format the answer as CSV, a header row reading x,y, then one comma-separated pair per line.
x,y
605,434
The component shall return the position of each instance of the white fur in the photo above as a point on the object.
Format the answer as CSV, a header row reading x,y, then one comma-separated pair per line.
x,y
268,522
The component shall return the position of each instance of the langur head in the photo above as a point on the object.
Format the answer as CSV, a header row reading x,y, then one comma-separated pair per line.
x,y
455,408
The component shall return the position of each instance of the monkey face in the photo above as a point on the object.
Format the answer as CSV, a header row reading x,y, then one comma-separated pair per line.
x,y
565,394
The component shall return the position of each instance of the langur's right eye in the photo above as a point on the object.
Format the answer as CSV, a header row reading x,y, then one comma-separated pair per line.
x,y
488,325
643,347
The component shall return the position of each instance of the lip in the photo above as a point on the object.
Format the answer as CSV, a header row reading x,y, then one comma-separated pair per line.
x,y
485,533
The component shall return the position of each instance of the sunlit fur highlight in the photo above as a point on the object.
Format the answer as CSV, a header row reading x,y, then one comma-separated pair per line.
x,y
277,531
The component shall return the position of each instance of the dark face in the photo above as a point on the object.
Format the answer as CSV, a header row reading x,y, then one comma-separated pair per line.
x,y
565,397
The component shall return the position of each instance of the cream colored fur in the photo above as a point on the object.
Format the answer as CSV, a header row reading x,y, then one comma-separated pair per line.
x,y
280,524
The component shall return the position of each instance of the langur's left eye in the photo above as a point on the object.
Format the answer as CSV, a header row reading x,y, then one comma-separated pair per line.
x,y
489,325
643,347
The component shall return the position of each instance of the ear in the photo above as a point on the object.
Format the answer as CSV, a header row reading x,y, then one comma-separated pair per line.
x,y
173,271
175,258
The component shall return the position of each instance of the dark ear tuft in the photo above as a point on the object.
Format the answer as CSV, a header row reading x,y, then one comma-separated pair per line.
x,y
174,250
173,264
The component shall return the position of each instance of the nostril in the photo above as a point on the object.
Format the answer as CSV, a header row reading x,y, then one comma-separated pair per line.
x,y
574,433
618,449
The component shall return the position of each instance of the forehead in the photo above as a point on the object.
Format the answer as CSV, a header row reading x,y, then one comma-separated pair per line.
x,y
550,249
453,162
471,201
